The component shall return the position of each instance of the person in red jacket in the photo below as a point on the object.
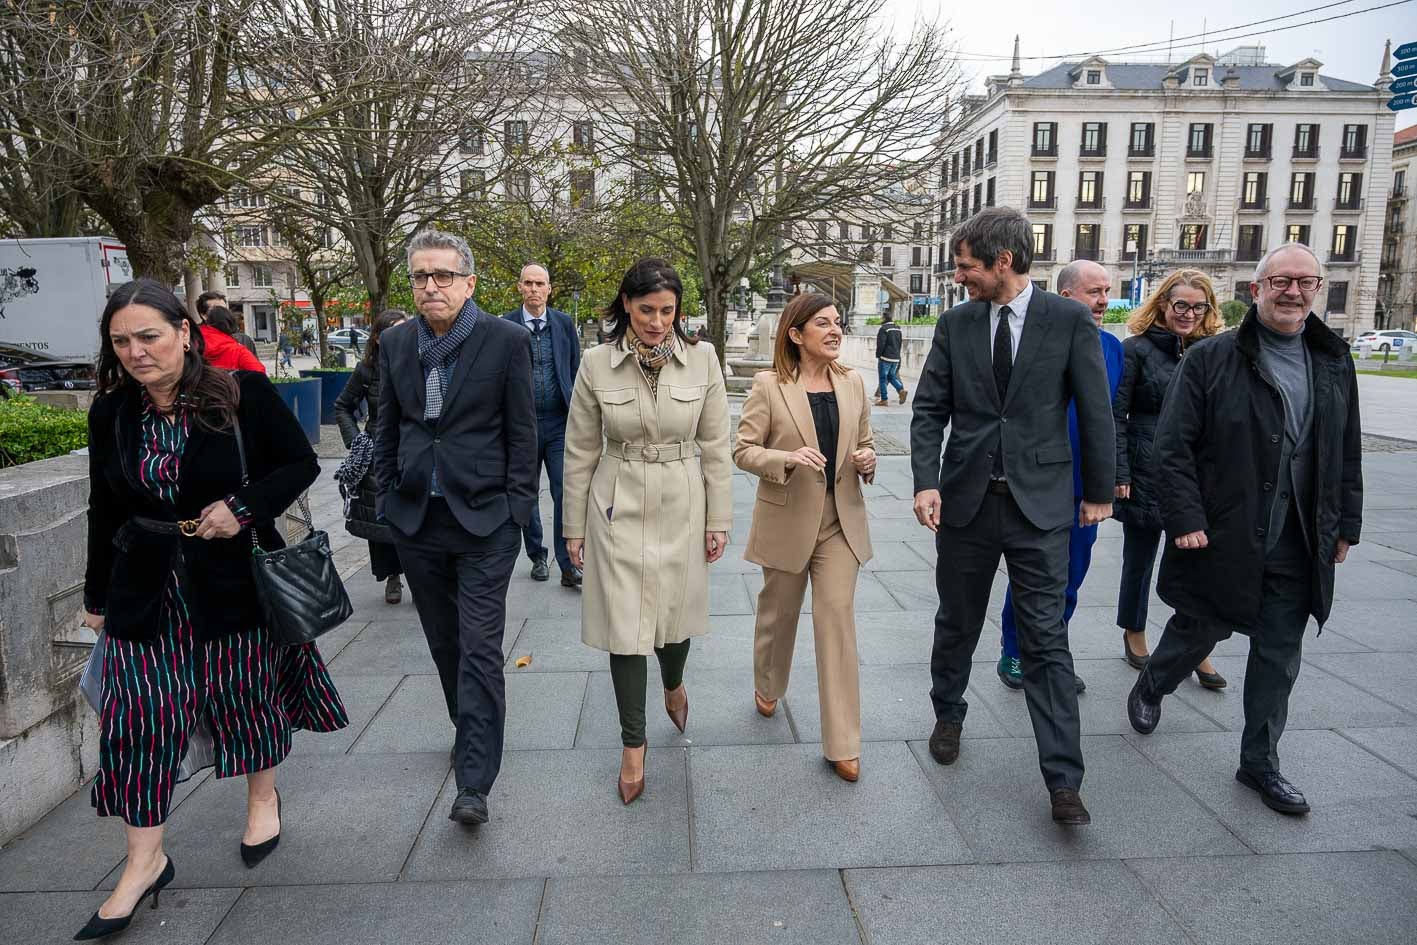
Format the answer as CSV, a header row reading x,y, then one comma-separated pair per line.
x,y
224,351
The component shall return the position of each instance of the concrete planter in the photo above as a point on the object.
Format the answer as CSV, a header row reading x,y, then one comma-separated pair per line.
x,y
332,384
303,399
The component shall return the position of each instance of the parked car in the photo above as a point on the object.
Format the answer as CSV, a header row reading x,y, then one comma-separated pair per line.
x,y
1390,340
24,370
356,338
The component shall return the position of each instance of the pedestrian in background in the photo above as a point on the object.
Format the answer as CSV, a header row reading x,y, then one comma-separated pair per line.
x,y
223,348
648,497
888,346
1091,285
205,301
364,387
555,359
455,460
169,582
805,433
1262,451
1179,313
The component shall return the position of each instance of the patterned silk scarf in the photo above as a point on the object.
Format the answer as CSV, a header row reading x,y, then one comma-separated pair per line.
x,y
652,359
436,356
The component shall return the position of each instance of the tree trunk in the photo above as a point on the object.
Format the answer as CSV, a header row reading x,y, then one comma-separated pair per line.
x,y
716,294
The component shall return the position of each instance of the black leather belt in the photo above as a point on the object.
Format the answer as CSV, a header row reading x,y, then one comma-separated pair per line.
x,y
164,527
999,486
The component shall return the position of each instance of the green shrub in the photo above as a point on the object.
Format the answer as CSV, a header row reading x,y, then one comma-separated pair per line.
x,y
31,431
1116,315
1234,312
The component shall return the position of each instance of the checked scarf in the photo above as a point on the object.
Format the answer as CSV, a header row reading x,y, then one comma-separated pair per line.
x,y
436,356
652,359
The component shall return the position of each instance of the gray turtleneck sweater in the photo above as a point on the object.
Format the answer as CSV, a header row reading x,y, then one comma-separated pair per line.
x,y
1286,358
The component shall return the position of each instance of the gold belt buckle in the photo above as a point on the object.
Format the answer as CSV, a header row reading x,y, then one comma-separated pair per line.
x,y
188,527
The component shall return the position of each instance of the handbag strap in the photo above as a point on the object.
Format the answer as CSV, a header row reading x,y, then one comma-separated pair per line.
x,y
300,501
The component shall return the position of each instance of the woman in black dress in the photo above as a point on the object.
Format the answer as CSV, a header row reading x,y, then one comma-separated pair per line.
x,y
364,387
169,581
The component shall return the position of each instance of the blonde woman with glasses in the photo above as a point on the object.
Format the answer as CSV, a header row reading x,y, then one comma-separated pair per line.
x,y
1179,313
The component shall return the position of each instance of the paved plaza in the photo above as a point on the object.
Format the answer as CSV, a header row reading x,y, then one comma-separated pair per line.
x,y
744,835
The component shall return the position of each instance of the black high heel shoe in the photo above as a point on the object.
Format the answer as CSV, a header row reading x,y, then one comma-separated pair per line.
x,y
1136,662
253,855
98,926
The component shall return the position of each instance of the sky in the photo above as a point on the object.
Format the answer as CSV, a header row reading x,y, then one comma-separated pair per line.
x,y
1350,48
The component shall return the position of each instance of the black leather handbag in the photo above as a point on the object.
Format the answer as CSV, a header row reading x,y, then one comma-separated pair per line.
x,y
298,586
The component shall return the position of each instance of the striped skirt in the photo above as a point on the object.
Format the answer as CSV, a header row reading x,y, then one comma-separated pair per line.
x,y
253,692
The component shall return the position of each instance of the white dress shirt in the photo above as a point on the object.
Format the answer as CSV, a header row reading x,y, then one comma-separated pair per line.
x,y
530,320
1018,308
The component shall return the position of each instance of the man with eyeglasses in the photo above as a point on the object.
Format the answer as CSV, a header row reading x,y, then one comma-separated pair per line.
x,y
555,358
1261,447
455,462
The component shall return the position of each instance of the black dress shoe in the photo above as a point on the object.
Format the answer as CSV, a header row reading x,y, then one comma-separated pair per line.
x,y
571,578
1274,789
252,855
98,926
1143,709
469,808
539,570
1079,684
944,741
1068,807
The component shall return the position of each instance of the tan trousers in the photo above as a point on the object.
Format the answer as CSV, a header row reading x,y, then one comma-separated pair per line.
x,y
832,569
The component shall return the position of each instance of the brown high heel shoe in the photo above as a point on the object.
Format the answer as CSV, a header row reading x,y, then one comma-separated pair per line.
x,y
848,769
766,707
679,716
630,790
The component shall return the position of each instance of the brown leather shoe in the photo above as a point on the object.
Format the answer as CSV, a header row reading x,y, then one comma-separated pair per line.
x,y
880,402
848,769
901,393
679,716
766,707
944,741
1068,807
631,790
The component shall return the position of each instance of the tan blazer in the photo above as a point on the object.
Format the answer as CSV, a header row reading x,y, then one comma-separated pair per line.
x,y
645,476
787,515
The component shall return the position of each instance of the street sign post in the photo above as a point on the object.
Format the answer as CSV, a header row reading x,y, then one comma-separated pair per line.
x,y
1405,51
1399,102
1405,68
1136,292
1408,84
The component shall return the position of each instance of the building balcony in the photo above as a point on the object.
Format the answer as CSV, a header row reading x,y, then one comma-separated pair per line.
x,y
992,159
1143,204
1200,154
1352,206
1397,194
1307,154
1048,203
1353,154
1092,253
1350,258
1212,256
1261,155
944,268
1047,256
1091,206
1149,152
1305,206
1092,154
1045,152
1248,254
1258,206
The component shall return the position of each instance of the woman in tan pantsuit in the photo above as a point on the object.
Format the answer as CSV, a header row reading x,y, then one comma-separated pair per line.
x,y
806,434
646,497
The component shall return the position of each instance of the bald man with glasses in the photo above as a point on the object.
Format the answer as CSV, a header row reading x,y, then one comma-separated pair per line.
x,y
1260,445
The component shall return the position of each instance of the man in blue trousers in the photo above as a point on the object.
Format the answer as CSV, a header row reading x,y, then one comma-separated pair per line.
x,y
555,358
1091,285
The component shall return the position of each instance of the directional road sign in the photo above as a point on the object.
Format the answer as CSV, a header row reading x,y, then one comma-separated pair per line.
x,y
1399,102
1408,84
1406,51
1405,68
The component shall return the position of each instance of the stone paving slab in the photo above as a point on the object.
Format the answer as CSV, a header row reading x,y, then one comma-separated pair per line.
x,y
1359,802
1396,746
785,908
363,696
345,819
1318,899
494,912
1081,903
721,712
1389,676
760,807
895,705
994,792
183,916
557,813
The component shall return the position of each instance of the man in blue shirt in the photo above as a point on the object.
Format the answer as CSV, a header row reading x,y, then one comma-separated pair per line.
x,y
555,358
1091,285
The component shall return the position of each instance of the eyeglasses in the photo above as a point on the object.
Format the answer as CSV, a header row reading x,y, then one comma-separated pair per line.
x,y
1202,309
442,278
1282,283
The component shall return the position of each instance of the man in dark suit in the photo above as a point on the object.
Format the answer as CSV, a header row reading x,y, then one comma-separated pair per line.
x,y
1000,373
555,358
455,460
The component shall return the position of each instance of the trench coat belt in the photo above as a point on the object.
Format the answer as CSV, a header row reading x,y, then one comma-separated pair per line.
x,y
651,452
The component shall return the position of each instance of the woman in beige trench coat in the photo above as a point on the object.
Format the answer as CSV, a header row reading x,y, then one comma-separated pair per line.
x,y
646,496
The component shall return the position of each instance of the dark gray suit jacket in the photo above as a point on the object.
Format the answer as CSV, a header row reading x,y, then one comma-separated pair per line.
x,y
1059,359
485,439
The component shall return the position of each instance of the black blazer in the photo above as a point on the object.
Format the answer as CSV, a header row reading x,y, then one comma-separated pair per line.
x,y
485,440
128,567
565,347
1059,359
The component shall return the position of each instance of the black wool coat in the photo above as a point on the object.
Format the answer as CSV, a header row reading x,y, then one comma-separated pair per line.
x,y
1150,361
128,566
1218,444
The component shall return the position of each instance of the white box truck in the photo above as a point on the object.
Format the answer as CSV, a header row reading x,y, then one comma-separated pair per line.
x,y
53,291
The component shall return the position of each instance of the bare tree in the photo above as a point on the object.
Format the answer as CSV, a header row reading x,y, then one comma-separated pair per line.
x,y
144,110
752,117
394,87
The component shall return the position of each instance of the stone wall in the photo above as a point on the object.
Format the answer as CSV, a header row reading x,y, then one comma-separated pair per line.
x,y
48,734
